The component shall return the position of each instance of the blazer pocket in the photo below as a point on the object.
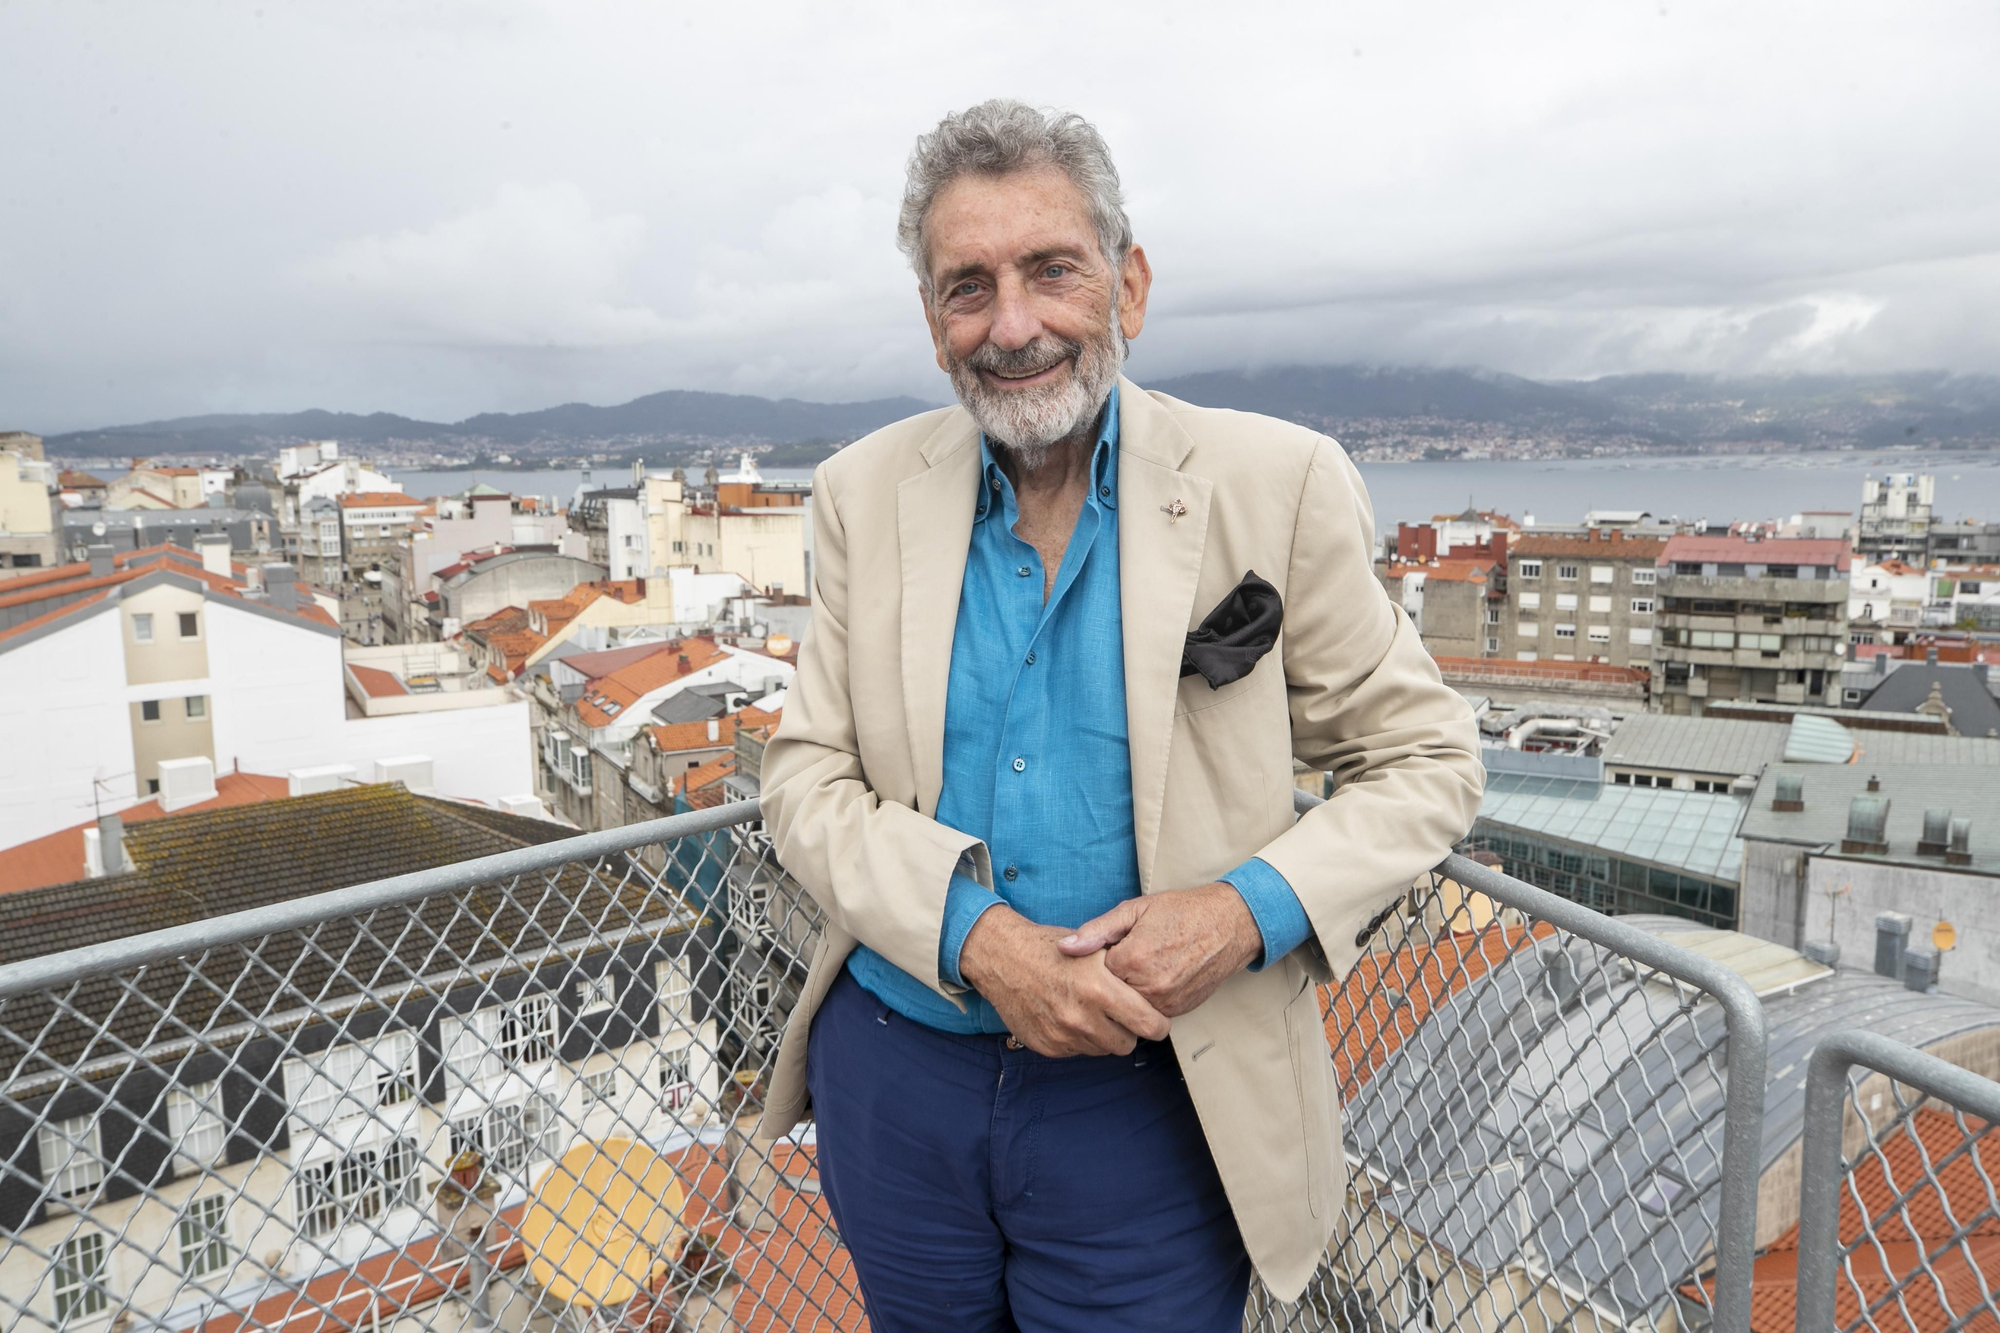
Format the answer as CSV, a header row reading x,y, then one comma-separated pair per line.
x,y
1195,695
1312,1076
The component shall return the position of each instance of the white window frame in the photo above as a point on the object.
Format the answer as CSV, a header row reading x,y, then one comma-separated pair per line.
x,y
1528,629
596,995
600,1087
79,1275
194,1124
1642,606
1642,636
1565,601
1493,645
1598,634
528,1030
1600,605
674,984
1565,631
72,1157
1526,655
203,1232
1645,577
1603,573
196,707
1531,601
142,627
1530,569
1566,573
676,1077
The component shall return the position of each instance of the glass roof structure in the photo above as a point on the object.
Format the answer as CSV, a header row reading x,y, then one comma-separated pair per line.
x,y
1688,831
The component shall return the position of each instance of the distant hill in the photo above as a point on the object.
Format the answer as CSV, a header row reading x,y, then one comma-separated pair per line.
x,y
1396,407
673,417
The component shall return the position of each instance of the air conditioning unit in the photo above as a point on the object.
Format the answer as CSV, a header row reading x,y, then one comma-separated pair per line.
x,y
412,770
186,782
326,777
528,807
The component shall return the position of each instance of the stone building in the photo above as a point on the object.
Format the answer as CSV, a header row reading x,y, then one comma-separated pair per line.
x,y
1583,597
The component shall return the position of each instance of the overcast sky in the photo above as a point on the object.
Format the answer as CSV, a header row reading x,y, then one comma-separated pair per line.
x,y
439,209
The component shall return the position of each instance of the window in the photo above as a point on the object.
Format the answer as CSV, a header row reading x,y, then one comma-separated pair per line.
x,y
1602,573
1493,645
1531,569
1565,631
600,1087
1645,577
149,710
1718,638
194,1124
596,994
197,707
1566,571
1526,655
508,1137
1531,601
676,1078
1642,635
79,1280
395,1069
1601,605
1642,606
353,1079
152,786
1599,634
675,988
72,1163
314,1199
528,1030
1527,629
142,627
204,1236
190,625
1565,601
402,1178
1492,615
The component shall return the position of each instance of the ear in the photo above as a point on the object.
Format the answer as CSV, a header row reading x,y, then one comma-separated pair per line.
x,y
1134,285
931,323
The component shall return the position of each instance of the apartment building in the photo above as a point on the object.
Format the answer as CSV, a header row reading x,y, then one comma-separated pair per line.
x,y
111,670
1744,618
760,533
483,583
326,1130
29,505
1582,597
1453,603
1896,518
156,487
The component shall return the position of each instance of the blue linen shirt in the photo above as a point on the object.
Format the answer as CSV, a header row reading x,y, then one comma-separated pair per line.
x,y
1036,763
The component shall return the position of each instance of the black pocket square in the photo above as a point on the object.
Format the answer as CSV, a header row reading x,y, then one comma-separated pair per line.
x,y
1230,639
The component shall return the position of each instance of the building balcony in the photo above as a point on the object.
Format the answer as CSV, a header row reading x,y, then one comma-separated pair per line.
x,y
522,1093
1740,588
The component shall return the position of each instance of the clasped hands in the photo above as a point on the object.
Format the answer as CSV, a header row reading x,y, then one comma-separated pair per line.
x,y
1116,979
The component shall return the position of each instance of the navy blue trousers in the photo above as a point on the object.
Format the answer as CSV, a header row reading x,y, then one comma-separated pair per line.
x,y
979,1187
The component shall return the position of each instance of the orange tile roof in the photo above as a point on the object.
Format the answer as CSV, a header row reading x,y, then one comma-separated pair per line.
x,y
57,858
80,480
1444,571
377,683
694,735
625,686
1916,1254
376,499
1769,551
49,617
63,580
1595,672
506,618
703,785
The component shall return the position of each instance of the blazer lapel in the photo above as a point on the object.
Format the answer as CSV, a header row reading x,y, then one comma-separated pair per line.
x,y
1162,531
934,530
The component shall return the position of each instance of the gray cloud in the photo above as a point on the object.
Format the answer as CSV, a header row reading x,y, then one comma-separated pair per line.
x,y
501,205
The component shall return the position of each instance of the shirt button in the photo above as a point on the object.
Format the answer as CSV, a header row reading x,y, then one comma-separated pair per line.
x,y
1104,492
1020,765
1031,659
1011,873
996,483
1024,571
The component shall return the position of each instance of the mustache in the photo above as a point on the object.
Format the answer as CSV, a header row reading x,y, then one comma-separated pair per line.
x,y
1045,351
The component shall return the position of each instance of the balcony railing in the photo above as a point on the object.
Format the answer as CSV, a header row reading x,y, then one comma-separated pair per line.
x,y
519,1092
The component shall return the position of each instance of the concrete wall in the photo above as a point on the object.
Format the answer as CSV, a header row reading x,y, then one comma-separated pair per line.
x,y
1768,901
516,583
64,716
1928,895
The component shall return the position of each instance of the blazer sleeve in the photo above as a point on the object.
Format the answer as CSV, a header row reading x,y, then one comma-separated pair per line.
x,y
880,870
1368,706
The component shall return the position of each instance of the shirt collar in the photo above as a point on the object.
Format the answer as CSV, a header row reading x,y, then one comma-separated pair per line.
x,y
993,482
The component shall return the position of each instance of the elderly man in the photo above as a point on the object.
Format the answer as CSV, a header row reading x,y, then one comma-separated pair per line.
x,y
1061,1042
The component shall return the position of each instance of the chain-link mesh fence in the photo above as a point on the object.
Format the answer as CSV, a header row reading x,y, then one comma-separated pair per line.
x,y
1899,1221
519,1093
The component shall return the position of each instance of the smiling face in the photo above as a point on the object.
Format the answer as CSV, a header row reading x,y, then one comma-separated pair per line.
x,y
1024,310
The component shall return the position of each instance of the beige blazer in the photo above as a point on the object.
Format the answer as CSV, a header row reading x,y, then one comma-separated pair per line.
x,y
851,780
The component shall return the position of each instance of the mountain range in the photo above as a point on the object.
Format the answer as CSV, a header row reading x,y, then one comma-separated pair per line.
x,y
1659,412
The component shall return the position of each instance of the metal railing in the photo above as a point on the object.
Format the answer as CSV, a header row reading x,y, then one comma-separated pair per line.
x,y
1899,1222
518,1092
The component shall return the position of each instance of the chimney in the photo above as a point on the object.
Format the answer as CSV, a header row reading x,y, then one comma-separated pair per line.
x,y
1936,838
1920,970
111,845
281,587
1959,851
1874,782
714,729
1867,826
1790,794
1892,933
214,549
1930,655
685,664
100,561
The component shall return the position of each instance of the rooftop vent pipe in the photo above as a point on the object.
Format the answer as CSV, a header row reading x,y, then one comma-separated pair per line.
x,y
1892,934
1874,783
1791,792
1867,826
100,561
1937,833
1960,851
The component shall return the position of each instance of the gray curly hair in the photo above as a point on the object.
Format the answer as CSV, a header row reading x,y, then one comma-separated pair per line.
x,y
1003,136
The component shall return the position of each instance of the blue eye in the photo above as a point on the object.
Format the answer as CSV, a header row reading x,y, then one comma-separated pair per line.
x,y
1055,270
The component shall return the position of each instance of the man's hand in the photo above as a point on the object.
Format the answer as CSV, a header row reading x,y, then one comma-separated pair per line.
x,y
1056,1005
1173,948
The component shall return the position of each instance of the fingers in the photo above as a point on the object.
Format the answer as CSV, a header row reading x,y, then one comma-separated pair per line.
x,y
1133,1012
1103,931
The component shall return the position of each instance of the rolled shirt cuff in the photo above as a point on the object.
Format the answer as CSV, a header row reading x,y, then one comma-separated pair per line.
x,y
965,899
1280,917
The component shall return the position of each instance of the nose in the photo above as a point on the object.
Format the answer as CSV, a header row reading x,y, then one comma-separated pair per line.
x,y
1015,323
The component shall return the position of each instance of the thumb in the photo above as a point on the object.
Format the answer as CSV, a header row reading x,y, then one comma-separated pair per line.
x,y
1101,932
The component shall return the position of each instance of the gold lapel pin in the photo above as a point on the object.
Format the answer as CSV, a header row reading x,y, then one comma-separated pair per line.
x,y
1173,509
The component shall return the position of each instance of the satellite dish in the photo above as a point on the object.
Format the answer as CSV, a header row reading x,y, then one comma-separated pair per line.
x,y
97,529
1944,937
778,645
604,1222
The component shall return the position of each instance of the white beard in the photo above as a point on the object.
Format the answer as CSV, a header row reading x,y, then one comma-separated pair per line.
x,y
1028,423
